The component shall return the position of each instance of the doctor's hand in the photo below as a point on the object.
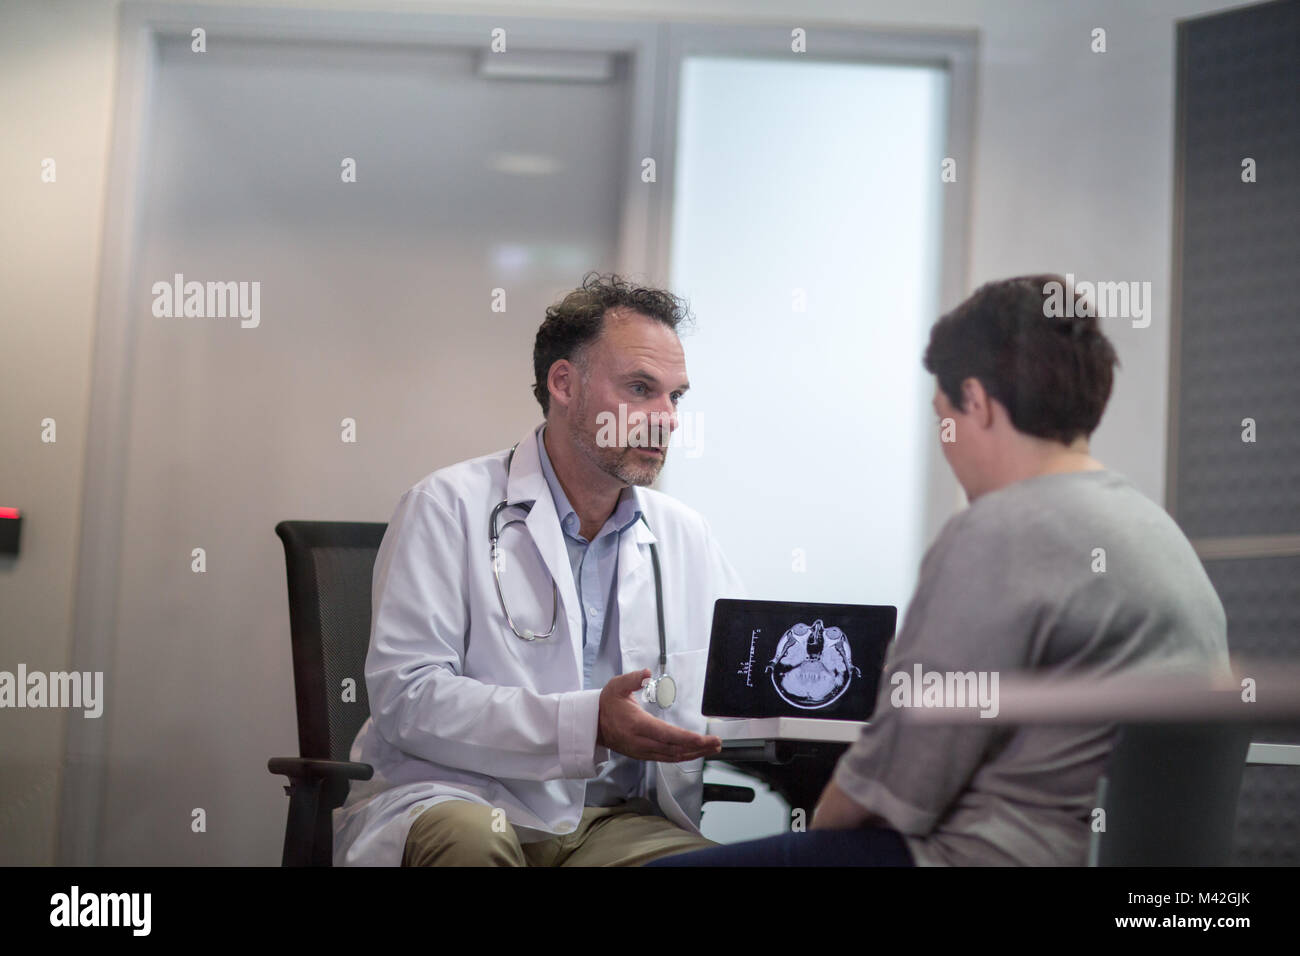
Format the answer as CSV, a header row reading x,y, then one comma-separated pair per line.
x,y
627,729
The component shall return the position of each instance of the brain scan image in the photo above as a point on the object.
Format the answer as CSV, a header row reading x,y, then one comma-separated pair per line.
x,y
813,666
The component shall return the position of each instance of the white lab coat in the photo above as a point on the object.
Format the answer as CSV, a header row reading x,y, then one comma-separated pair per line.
x,y
461,708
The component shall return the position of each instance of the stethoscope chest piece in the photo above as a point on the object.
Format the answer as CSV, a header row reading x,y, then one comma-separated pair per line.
x,y
661,690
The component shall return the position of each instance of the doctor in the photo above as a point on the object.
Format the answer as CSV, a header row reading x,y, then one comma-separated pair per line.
x,y
512,727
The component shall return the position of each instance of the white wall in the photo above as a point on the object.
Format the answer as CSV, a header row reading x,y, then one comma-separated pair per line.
x,y
1072,173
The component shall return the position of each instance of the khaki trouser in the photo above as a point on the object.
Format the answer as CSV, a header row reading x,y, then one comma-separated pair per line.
x,y
460,833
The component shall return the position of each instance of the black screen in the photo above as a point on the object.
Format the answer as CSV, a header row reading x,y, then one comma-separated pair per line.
x,y
785,659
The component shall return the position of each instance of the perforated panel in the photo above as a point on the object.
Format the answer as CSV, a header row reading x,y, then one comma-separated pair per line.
x,y
1239,317
1261,597
1268,826
343,578
1238,336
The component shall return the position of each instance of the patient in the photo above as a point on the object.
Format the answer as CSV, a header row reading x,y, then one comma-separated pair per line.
x,y
1058,566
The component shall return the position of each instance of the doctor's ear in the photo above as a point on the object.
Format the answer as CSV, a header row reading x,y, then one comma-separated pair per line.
x,y
563,382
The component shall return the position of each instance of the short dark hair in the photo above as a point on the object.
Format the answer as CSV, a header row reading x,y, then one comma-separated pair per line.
x,y
576,321
1052,374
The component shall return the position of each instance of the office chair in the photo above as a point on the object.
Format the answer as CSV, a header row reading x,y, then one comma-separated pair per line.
x,y
330,565
1170,795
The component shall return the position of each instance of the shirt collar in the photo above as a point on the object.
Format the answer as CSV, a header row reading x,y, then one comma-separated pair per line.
x,y
626,512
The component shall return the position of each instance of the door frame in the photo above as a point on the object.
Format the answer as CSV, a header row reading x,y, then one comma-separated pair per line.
x,y
954,51
142,28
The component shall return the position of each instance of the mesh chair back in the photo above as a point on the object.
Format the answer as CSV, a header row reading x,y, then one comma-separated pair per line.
x,y
330,565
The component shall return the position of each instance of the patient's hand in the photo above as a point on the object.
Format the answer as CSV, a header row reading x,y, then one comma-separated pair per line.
x,y
627,729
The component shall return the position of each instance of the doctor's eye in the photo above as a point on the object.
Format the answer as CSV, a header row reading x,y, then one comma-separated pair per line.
x,y
638,388
676,397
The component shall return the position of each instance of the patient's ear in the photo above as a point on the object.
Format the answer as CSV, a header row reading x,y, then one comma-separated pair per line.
x,y
976,403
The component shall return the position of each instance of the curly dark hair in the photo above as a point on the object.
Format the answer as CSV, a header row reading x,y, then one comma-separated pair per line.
x,y
1053,375
576,321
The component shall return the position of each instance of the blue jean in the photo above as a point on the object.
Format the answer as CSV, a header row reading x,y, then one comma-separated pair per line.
x,y
866,846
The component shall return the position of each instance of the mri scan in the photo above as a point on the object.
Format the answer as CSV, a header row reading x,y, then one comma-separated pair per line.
x,y
813,666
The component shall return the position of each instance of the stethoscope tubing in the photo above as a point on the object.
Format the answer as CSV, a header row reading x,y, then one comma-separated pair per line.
x,y
494,538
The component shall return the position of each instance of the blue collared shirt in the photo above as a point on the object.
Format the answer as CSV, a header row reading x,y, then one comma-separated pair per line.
x,y
595,575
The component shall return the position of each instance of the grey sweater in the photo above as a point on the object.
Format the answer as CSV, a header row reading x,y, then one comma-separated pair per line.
x,y
1014,583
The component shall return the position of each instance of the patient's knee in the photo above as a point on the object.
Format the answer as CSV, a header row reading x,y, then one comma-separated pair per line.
x,y
461,833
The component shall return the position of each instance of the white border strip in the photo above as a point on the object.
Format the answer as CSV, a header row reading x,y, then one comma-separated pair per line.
x,y
1248,546
1281,755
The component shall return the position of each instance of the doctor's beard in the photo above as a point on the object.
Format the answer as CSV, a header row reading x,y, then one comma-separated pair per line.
x,y
629,465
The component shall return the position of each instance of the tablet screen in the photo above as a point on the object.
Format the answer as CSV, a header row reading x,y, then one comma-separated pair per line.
x,y
789,659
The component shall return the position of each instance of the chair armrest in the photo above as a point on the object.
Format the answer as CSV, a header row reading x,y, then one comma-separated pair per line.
x,y
727,793
310,768
315,788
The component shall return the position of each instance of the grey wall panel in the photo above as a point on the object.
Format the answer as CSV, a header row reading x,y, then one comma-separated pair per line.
x,y
1240,317
1236,354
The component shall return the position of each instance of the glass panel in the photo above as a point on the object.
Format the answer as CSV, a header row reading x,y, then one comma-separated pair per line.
x,y
806,233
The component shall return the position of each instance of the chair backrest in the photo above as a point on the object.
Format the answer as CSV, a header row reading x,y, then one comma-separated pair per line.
x,y
329,565
1170,795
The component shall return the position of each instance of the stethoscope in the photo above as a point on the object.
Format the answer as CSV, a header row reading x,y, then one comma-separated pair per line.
x,y
660,690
